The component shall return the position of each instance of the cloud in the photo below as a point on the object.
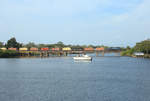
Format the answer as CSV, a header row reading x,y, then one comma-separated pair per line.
x,y
47,7
132,26
95,21
61,7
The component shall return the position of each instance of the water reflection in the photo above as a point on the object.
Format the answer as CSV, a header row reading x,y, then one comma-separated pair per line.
x,y
89,61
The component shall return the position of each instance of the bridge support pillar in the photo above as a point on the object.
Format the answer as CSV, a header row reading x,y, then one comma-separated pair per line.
x,y
103,53
59,54
65,53
97,53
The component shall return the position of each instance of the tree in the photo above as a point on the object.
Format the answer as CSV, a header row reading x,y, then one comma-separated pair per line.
x,y
13,43
91,46
1,44
59,44
146,45
30,44
143,46
41,45
128,47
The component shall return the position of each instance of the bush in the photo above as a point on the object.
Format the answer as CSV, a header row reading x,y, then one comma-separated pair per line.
x,y
128,52
8,54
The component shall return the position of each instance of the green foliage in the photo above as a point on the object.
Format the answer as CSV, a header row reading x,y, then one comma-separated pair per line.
x,y
143,46
1,44
51,46
90,46
59,44
128,47
30,44
8,54
76,47
41,45
128,52
13,43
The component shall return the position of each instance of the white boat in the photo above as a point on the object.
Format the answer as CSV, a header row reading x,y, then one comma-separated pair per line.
x,y
83,57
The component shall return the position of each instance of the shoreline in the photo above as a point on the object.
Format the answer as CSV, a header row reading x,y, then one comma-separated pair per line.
x,y
145,56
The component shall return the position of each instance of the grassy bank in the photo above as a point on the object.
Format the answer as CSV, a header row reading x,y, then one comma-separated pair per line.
x,y
147,56
8,54
131,54
128,52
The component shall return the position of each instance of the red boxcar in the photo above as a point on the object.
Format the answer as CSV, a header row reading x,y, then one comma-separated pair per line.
x,y
33,49
55,49
100,49
14,49
88,49
45,49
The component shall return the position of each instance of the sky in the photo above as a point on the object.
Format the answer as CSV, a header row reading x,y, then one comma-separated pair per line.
x,y
97,22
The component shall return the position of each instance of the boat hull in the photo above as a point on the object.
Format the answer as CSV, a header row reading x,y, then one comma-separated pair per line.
x,y
82,58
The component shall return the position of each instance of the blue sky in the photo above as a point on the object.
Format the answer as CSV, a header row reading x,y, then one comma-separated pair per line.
x,y
107,22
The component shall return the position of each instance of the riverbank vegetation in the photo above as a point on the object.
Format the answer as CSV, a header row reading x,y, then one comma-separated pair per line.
x,y
8,54
13,43
143,46
128,52
12,48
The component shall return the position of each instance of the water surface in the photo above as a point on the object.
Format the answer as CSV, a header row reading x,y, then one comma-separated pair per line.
x,y
62,79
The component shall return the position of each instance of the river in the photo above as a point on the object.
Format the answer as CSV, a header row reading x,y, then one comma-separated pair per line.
x,y
62,79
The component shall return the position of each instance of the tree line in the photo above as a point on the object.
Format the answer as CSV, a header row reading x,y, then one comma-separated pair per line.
x,y
143,46
13,43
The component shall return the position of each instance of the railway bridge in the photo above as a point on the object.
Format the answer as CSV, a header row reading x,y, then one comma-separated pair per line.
x,y
48,53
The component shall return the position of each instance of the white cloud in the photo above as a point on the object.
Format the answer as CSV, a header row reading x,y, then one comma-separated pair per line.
x,y
59,7
133,25
103,21
48,7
